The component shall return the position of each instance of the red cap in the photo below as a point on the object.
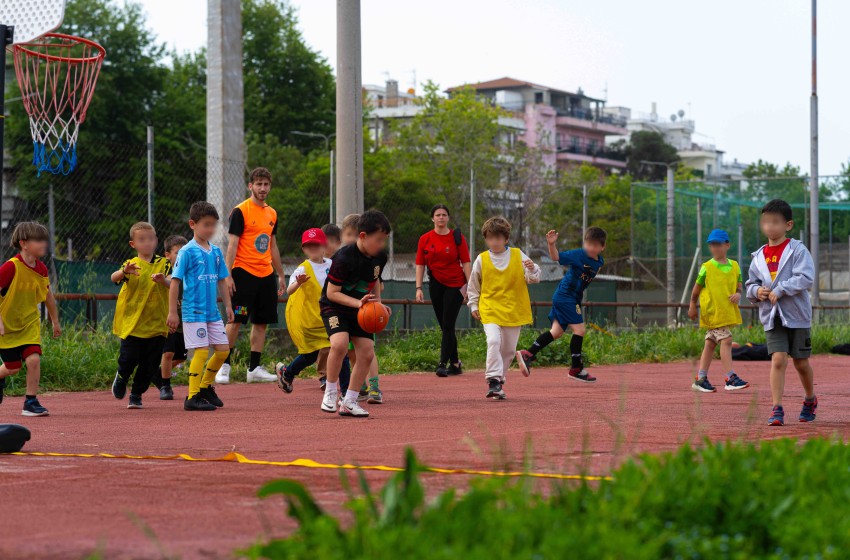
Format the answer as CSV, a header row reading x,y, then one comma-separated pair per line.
x,y
313,235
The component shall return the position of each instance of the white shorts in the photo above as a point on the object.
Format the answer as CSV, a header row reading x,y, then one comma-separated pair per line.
x,y
203,335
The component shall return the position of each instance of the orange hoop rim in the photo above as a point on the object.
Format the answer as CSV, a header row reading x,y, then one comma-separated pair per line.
x,y
22,48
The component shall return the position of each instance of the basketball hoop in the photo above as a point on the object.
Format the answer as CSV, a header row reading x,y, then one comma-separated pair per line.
x,y
57,74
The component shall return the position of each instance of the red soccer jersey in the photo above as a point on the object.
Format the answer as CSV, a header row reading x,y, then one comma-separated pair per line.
x,y
443,257
772,256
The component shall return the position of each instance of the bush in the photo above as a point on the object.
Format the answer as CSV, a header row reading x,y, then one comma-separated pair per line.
x,y
778,499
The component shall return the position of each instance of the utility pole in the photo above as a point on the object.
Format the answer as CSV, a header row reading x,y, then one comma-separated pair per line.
x,y
814,203
671,248
349,110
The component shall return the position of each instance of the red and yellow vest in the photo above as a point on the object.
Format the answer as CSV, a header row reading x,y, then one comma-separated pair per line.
x,y
19,307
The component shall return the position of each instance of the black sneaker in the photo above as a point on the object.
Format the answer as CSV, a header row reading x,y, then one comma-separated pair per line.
x,y
323,381
197,403
442,370
166,393
523,360
284,380
455,369
33,408
209,395
2,389
494,390
119,387
135,401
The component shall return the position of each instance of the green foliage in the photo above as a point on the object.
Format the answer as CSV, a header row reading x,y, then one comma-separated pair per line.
x,y
646,145
778,499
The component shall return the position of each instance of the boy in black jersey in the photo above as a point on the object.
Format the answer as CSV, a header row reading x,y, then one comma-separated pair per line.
x,y
354,279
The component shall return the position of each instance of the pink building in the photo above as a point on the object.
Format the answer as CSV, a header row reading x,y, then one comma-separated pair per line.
x,y
572,125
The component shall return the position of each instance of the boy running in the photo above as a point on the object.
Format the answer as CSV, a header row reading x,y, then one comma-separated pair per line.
x,y
718,291
24,285
174,352
140,314
583,265
201,272
332,238
303,315
354,279
780,277
498,297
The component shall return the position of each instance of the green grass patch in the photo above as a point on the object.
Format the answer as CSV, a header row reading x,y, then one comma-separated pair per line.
x,y
82,360
778,499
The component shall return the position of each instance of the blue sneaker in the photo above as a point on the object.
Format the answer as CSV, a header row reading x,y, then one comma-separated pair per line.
x,y
733,383
703,386
809,409
777,417
33,408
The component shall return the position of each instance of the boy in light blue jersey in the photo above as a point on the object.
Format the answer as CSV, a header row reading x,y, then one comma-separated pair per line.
x,y
201,271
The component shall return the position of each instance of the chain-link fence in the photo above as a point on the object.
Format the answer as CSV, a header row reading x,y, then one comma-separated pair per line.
x,y
90,212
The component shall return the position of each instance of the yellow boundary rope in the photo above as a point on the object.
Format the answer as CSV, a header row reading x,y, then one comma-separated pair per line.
x,y
310,464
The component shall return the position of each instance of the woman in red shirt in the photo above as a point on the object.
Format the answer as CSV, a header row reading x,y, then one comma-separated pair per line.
x,y
446,255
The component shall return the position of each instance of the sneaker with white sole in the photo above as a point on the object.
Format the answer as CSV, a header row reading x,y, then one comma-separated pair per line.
x,y
260,375
353,409
223,375
329,402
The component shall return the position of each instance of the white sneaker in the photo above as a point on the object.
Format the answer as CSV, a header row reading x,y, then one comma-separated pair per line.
x,y
353,409
260,375
329,403
223,375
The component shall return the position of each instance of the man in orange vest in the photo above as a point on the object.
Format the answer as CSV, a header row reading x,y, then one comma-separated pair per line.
x,y
256,273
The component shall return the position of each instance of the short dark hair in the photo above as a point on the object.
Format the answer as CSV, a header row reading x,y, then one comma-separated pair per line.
x,y
173,240
29,231
332,231
260,173
372,221
778,206
440,207
597,234
202,209
497,225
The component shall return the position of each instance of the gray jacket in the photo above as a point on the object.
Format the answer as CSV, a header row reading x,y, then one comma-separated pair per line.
x,y
794,278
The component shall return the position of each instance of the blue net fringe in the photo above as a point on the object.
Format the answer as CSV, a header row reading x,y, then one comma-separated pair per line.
x,y
60,161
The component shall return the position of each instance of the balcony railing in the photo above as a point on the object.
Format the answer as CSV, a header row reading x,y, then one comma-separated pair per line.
x,y
586,149
590,115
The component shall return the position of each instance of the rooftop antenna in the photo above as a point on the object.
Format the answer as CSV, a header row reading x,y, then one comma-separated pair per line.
x,y
605,92
414,78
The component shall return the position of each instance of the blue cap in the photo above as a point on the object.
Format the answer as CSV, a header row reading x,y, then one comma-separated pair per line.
x,y
718,236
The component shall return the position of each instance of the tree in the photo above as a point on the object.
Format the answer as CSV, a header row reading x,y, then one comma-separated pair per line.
x,y
764,169
288,86
647,145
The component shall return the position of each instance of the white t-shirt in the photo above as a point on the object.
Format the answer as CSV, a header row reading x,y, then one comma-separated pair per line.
x,y
321,271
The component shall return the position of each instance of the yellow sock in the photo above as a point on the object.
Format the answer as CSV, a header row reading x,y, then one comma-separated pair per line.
x,y
212,368
196,370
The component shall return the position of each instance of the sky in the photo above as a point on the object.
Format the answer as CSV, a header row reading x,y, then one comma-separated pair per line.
x,y
740,68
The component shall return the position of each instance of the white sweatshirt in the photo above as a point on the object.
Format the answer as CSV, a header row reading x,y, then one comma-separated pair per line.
x,y
500,261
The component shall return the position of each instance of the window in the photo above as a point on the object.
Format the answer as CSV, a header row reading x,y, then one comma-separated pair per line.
x,y
538,97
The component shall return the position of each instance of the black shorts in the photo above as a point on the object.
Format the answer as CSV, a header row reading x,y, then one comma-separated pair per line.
x,y
176,344
13,358
140,358
255,298
336,322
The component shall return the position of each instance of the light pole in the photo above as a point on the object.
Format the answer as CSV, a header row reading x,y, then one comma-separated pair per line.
x,y
671,249
814,202
327,139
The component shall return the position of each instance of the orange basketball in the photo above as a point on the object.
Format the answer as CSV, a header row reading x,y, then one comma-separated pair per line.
x,y
373,317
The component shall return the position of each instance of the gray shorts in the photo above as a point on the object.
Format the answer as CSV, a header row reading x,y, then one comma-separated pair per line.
x,y
797,343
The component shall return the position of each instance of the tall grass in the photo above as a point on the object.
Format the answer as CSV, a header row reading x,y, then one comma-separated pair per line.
x,y
777,500
82,360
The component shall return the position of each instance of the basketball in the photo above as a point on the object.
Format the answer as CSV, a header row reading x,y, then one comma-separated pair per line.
x,y
373,317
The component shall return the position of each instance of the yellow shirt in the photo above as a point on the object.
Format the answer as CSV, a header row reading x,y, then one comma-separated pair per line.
x,y
303,317
142,307
504,299
716,309
19,307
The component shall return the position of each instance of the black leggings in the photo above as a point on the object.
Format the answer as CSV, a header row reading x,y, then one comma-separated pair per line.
x,y
447,302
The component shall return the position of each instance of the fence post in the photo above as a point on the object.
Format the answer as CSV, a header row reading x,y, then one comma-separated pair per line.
x,y
471,240
150,175
51,224
671,246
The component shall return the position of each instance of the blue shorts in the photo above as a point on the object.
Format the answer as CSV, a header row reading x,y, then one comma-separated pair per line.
x,y
566,312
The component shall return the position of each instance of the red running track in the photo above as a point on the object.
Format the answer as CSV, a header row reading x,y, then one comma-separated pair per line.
x,y
70,507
